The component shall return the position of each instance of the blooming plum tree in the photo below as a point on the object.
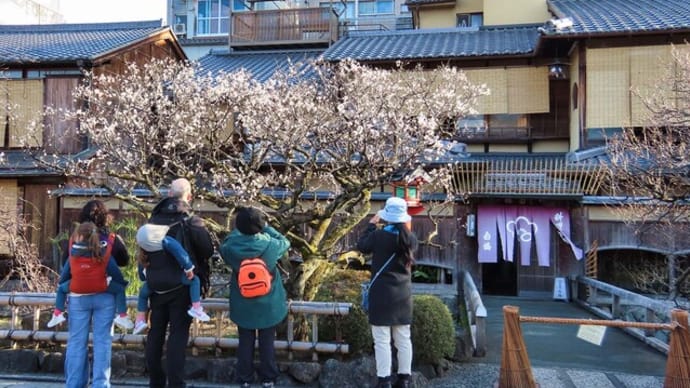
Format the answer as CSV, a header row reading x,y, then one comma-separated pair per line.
x,y
309,145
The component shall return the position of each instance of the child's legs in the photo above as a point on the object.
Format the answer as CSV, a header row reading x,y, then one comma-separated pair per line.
x,y
143,299
61,295
118,290
194,287
173,247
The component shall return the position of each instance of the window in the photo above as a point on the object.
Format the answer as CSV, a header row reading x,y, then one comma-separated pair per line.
x,y
213,17
344,11
239,5
508,121
499,125
378,7
473,125
469,20
180,19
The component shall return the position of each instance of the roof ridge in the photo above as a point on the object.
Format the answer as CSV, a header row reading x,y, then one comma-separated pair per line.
x,y
46,28
448,30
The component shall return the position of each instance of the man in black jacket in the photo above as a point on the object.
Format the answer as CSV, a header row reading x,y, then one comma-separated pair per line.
x,y
170,300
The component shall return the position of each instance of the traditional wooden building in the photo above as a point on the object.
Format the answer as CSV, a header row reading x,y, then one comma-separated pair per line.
x,y
561,75
40,65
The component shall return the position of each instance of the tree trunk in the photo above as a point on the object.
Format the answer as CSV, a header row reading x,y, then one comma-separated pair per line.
x,y
305,286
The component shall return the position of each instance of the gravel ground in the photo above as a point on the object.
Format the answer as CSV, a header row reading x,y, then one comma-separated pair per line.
x,y
473,375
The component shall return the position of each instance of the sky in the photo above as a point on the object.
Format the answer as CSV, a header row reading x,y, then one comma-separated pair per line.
x,y
96,11
83,11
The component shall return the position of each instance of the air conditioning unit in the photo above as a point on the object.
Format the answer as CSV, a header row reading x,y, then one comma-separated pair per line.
x,y
180,29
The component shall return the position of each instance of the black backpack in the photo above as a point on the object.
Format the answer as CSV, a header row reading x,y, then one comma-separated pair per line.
x,y
202,268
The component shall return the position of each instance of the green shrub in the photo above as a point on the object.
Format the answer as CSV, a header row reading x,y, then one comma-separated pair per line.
x,y
433,331
127,229
343,285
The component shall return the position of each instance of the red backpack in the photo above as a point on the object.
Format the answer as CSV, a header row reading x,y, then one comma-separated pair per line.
x,y
88,275
254,279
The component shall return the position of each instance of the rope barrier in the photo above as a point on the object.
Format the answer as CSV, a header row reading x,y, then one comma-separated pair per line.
x,y
599,322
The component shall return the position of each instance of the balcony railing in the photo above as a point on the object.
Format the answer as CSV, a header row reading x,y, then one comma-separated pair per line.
x,y
376,23
525,175
285,26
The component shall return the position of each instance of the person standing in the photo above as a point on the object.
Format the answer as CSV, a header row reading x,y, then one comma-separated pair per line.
x,y
169,299
89,302
254,238
95,211
390,296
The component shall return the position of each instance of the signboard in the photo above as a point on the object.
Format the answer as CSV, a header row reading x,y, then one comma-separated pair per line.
x,y
591,333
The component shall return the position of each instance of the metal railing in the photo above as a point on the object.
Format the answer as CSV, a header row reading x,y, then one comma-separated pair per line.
x,y
217,307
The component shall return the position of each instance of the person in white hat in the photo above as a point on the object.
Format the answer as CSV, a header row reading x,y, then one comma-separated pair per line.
x,y
390,297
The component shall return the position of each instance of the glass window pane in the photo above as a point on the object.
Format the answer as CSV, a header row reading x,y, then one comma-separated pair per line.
x,y
412,192
384,6
507,121
350,10
400,191
203,28
238,5
224,26
477,20
367,8
204,9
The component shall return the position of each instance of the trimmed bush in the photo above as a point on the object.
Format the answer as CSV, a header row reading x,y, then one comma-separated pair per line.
x,y
433,331
343,285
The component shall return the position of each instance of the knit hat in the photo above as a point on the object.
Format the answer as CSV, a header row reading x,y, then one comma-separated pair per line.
x,y
249,220
395,211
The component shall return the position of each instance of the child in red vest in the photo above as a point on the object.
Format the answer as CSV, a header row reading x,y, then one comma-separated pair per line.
x,y
82,274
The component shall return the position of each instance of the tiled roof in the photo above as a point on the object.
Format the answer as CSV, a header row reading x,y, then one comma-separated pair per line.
x,y
621,16
19,163
261,64
435,43
60,43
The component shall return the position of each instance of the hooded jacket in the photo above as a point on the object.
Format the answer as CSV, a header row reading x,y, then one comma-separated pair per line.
x,y
163,273
264,311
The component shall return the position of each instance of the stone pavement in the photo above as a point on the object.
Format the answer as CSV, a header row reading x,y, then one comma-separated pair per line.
x,y
471,375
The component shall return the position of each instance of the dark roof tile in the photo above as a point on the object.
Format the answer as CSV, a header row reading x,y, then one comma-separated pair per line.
x,y
435,43
620,16
261,64
59,43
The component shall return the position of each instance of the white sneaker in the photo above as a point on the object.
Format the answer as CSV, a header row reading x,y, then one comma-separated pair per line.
x,y
124,322
199,314
56,320
139,326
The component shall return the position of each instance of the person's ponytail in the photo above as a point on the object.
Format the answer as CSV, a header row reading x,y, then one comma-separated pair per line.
x,y
405,245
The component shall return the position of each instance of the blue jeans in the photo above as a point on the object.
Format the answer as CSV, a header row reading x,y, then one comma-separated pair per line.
x,y
194,292
82,310
117,289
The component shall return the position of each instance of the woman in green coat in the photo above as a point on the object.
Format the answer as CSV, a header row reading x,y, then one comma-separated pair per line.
x,y
253,238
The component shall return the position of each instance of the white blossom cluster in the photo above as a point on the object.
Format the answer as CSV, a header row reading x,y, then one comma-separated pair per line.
x,y
321,131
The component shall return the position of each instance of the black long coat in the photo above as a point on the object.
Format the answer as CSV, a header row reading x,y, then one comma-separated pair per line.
x,y
390,296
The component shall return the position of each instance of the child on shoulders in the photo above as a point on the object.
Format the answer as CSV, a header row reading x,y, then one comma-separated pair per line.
x,y
153,238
